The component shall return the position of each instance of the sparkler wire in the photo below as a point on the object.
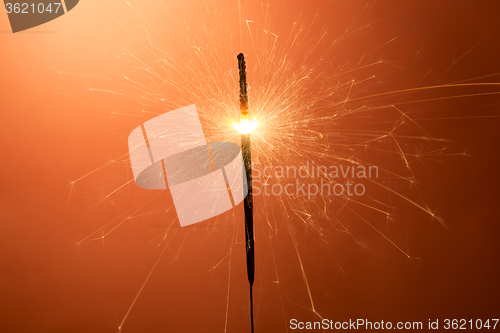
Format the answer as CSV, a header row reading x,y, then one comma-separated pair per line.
x,y
247,161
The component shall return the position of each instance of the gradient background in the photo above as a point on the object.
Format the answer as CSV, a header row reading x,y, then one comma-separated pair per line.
x,y
54,130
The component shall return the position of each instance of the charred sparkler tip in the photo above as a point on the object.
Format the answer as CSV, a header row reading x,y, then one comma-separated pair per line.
x,y
245,126
243,86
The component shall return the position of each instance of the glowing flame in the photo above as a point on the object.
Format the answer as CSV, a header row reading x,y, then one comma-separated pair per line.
x,y
245,126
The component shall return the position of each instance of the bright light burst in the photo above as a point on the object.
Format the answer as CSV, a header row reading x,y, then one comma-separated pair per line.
x,y
245,126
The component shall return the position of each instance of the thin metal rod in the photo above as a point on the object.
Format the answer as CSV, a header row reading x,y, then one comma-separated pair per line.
x,y
251,307
243,86
247,161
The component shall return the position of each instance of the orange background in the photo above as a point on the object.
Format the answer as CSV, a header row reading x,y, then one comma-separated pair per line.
x,y
55,129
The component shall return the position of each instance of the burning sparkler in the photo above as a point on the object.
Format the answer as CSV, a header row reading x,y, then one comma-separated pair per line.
x,y
245,128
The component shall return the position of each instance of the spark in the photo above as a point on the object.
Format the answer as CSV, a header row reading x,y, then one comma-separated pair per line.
x,y
245,126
